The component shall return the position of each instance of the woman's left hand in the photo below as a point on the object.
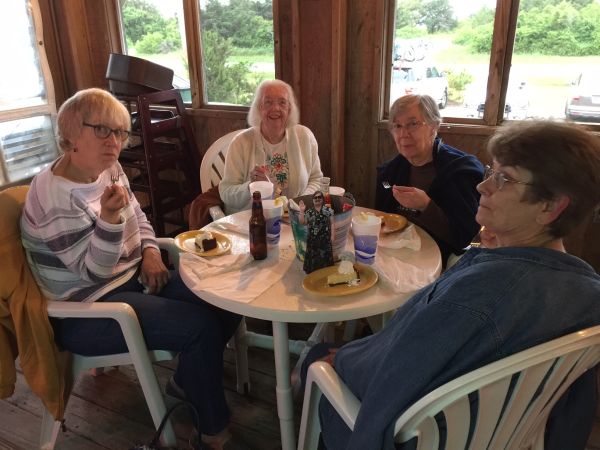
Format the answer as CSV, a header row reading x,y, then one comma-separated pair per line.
x,y
411,197
154,275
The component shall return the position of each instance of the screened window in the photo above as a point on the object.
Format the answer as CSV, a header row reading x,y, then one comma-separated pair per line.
x,y
26,97
235,38
556,47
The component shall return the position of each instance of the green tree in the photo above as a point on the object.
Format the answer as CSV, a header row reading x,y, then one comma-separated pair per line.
x,y
148,30
407,13
140,18
246,23
437,15
225,83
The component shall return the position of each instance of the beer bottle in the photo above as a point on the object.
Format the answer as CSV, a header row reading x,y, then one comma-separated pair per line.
x,y
258,229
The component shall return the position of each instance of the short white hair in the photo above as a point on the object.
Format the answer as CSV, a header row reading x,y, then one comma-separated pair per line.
x,y
254,118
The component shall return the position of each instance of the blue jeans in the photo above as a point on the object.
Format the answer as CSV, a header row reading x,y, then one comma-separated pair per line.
x,y
176,320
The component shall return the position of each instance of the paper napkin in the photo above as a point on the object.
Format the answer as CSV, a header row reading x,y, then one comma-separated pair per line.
x,y
400,276
408,238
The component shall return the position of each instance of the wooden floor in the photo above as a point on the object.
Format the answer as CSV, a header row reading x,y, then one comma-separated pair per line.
x,y
109,412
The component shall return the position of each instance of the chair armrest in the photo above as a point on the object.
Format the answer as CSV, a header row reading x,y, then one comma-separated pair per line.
x,y
333,387
216,212
169,245
123,313
322,379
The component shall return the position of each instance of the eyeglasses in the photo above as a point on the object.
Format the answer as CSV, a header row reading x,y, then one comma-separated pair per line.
x,y
409,127
318,197
500,178
281,102
102,131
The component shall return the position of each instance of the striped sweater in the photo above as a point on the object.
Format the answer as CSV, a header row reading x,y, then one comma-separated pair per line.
x,y
72,252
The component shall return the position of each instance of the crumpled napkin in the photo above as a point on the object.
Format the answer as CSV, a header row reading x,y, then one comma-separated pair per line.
x,y
400,276
236,277
209,267
408,238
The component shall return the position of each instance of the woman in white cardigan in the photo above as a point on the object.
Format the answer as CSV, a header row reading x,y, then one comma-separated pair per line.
x,y
274,148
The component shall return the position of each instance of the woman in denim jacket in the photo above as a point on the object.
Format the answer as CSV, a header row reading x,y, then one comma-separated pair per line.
x,y
545,178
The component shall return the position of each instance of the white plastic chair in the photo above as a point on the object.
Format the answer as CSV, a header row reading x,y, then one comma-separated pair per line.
x,y
212,167
138,355
554,366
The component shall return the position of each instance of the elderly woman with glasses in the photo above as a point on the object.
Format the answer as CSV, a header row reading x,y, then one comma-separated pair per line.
x,y
433,184
543,182
321,233
88,240
275,148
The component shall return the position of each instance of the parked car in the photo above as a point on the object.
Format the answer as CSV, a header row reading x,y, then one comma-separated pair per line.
x,y
415,78
515,107
584,99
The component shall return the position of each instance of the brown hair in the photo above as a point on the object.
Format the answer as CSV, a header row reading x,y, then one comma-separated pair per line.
x,y
83,107
564,159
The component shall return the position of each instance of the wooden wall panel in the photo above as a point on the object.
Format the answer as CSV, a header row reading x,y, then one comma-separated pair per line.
x,y
84,33
316,73
361,133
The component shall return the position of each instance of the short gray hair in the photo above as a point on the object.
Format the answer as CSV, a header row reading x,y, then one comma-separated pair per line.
x,y
254,118
427,106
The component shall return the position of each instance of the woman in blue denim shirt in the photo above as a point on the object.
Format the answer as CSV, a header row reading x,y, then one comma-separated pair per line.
x,y
545,178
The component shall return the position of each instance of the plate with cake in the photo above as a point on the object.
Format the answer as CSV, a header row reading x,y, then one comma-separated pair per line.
x,y
203,243
344,278
392,222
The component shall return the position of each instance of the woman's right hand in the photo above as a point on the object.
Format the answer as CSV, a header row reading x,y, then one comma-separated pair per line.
x,y
113,200
259,173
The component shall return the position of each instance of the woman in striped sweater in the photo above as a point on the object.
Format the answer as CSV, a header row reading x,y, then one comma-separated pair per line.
x,y
87,239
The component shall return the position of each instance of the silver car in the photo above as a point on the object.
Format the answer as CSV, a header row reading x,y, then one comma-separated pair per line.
x,y
419,78
584,100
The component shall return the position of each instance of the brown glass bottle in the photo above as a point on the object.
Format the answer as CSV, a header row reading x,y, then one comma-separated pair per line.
x,y
258,229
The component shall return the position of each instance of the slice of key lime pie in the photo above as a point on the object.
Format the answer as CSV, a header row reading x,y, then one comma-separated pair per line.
x,y
346,272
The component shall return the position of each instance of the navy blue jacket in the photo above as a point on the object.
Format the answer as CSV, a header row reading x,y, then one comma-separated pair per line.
x,y
453,190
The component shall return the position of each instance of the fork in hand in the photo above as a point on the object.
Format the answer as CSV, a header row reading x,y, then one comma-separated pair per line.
x,y
401,208
114,176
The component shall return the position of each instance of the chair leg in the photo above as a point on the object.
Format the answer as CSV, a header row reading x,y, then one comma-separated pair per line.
x,y
241,358
51,427
49,431
349,330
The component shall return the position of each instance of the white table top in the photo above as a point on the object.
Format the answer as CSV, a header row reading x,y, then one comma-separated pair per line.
x,y
287,301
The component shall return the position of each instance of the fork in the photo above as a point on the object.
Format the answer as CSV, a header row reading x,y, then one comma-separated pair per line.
x,y
114,176
401,208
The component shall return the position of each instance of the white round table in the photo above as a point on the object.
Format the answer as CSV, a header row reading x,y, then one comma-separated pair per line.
x,y
286,301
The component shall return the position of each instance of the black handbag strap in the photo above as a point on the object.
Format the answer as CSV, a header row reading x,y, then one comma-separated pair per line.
x,y
163,422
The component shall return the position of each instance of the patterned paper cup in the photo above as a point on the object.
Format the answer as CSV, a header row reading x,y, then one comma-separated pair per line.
x,y
273,215
365,229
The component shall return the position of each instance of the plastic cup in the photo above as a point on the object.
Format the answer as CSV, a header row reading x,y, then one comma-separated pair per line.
x,y
336,190
365,229
264,187
272,213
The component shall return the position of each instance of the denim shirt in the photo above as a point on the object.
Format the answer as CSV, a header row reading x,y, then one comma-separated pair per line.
x,y
491,304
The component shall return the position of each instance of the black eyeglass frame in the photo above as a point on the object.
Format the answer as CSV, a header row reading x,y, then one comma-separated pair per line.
x,y
102,131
